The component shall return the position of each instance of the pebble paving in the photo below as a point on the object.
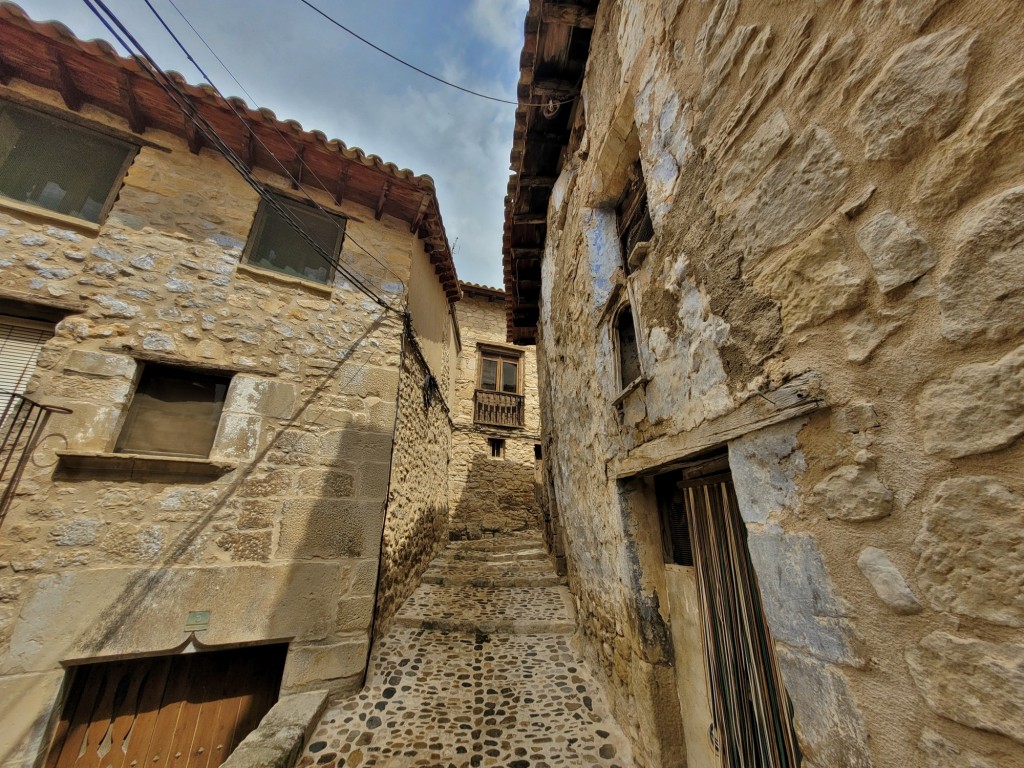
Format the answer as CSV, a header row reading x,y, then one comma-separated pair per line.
x,y
476,676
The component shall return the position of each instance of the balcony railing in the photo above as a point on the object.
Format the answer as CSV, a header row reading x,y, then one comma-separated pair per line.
x,y
22,423
498,409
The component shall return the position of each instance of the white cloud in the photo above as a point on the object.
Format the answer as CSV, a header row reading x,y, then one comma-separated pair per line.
x,y
500,22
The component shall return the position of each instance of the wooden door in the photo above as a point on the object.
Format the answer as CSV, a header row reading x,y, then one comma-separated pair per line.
x,y
752,718
181,711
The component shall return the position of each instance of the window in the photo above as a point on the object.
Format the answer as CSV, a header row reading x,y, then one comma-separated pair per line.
x,y
175,412
633,217
58,165
629,353
499,372
497,445
20,344
538,453
275,245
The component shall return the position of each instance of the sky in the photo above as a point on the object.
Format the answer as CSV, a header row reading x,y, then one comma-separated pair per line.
x,y
295,63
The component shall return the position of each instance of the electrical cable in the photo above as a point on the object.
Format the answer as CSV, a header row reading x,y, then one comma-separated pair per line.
x,y
252,133
189,110
548,104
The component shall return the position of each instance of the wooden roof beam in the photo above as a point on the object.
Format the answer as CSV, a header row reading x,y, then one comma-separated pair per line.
x,y
530,218
341,187
384,192
250,149
571,14
553,88
299,166
73,97
7,72
130,104
529,182
424,203
193,136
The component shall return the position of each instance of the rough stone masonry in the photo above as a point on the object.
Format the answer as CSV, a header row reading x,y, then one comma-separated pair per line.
x,y
837,197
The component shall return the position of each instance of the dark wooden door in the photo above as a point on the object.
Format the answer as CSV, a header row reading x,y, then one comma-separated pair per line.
x,y
181,711
751,709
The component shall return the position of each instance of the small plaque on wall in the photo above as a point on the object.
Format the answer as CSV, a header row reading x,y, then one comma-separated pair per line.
x,y
197,621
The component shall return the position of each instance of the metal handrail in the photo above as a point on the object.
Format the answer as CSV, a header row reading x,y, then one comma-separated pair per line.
x,y
22,423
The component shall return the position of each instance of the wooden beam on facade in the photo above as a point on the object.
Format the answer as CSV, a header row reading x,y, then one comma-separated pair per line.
x,y
571,14
193,136
520,254
530,218
384,192
300,164
529,182
424,204
73,98
552,88
798,397
130,103
250,149
341,187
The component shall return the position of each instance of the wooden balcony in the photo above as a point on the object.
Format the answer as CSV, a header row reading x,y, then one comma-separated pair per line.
x,y
498,409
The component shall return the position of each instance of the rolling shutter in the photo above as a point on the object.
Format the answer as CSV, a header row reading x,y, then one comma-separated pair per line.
x,y
20,342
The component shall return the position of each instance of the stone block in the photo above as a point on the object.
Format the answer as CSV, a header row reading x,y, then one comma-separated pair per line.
x,y
920,95
100,364
798,597
852,493
261,396
373,479
130,543
142,610
942,753
756,155
326,483
972,534
357,445
89,426
332,666
989,144
898,252
78,532
23,728
811,282
765,465
278,739
975,409
329,529
828,722
355,613
246,545
260,484
982,292
794,196
972,682
238,437
887,581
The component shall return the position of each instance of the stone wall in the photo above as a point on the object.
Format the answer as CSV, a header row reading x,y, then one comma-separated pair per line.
x,y
279,536
836,192
416,522
491,495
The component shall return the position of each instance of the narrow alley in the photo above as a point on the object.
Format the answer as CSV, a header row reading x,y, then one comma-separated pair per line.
x,y
477,670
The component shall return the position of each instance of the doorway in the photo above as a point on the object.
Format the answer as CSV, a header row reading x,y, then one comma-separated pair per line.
x,y
168,711
710,571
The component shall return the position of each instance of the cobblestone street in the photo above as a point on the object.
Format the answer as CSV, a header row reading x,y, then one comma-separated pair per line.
x,y
477,671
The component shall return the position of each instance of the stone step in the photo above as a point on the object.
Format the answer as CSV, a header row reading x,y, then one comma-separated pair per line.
x,y
538,553
506,543
489,610
502,580
528,573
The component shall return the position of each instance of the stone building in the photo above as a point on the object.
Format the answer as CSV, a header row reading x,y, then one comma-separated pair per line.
x,y
495,442
771,255
241,409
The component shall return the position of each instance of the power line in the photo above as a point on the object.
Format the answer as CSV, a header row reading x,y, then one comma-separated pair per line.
x,y
252,133
185,105
548,104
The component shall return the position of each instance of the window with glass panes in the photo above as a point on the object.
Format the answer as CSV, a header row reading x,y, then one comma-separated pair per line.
x,y
60,166
275,244
499,372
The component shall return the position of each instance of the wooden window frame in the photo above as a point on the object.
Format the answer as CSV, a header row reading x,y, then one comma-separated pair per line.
x,y
501,355
120,449
78,126
631,208
625,387
256,231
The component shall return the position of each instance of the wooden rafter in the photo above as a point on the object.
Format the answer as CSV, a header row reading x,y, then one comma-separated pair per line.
x,y
6,71
193,136
527,182
530,218
341,187
130,104
384,192
554,88
73,98
424,204
299,166
250,148
571,14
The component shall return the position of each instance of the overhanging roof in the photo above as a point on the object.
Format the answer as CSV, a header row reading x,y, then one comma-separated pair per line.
x,y
48,55
551,67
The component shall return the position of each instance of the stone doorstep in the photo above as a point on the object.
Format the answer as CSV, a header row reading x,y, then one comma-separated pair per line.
x,y
488,627
281,735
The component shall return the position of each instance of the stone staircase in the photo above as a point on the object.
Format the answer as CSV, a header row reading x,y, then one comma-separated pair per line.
x,y
477,670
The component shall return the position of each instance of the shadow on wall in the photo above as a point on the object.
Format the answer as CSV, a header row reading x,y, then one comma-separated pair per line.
x,y
315,543
497,498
